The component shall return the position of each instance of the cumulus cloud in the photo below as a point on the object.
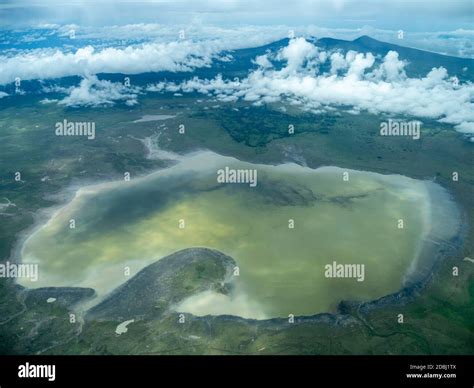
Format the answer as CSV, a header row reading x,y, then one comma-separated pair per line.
x,y
296,53
391,69
263,61
358,63
93,92
151,57
338,62
138,48
353,81
359,81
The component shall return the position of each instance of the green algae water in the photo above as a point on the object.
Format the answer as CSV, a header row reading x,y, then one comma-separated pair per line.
x,y
282,233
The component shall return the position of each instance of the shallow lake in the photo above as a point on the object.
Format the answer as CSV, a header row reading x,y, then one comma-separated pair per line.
x,y
338,215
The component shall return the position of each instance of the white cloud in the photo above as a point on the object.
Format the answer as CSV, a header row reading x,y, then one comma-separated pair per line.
x,y
338,62
391,69
94,92
355,79
263,61
383,89
138,48
358,63
48,64
297,53
46,101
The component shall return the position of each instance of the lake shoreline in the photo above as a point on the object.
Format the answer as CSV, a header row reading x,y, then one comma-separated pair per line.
x,y
404,292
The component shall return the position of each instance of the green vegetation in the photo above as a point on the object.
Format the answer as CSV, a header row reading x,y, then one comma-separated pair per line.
x,y
438,320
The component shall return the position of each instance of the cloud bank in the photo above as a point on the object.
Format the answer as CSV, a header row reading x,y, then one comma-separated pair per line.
x,y
353,81
152,57
139,48
300,74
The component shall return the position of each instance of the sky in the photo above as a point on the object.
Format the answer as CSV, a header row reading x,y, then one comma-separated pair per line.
x,y
409,15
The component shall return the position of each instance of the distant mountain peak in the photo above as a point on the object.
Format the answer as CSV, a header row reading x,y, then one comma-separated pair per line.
x,y
361,40
365,38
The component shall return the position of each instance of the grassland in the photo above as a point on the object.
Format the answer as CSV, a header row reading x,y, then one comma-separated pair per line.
x,y
437,318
